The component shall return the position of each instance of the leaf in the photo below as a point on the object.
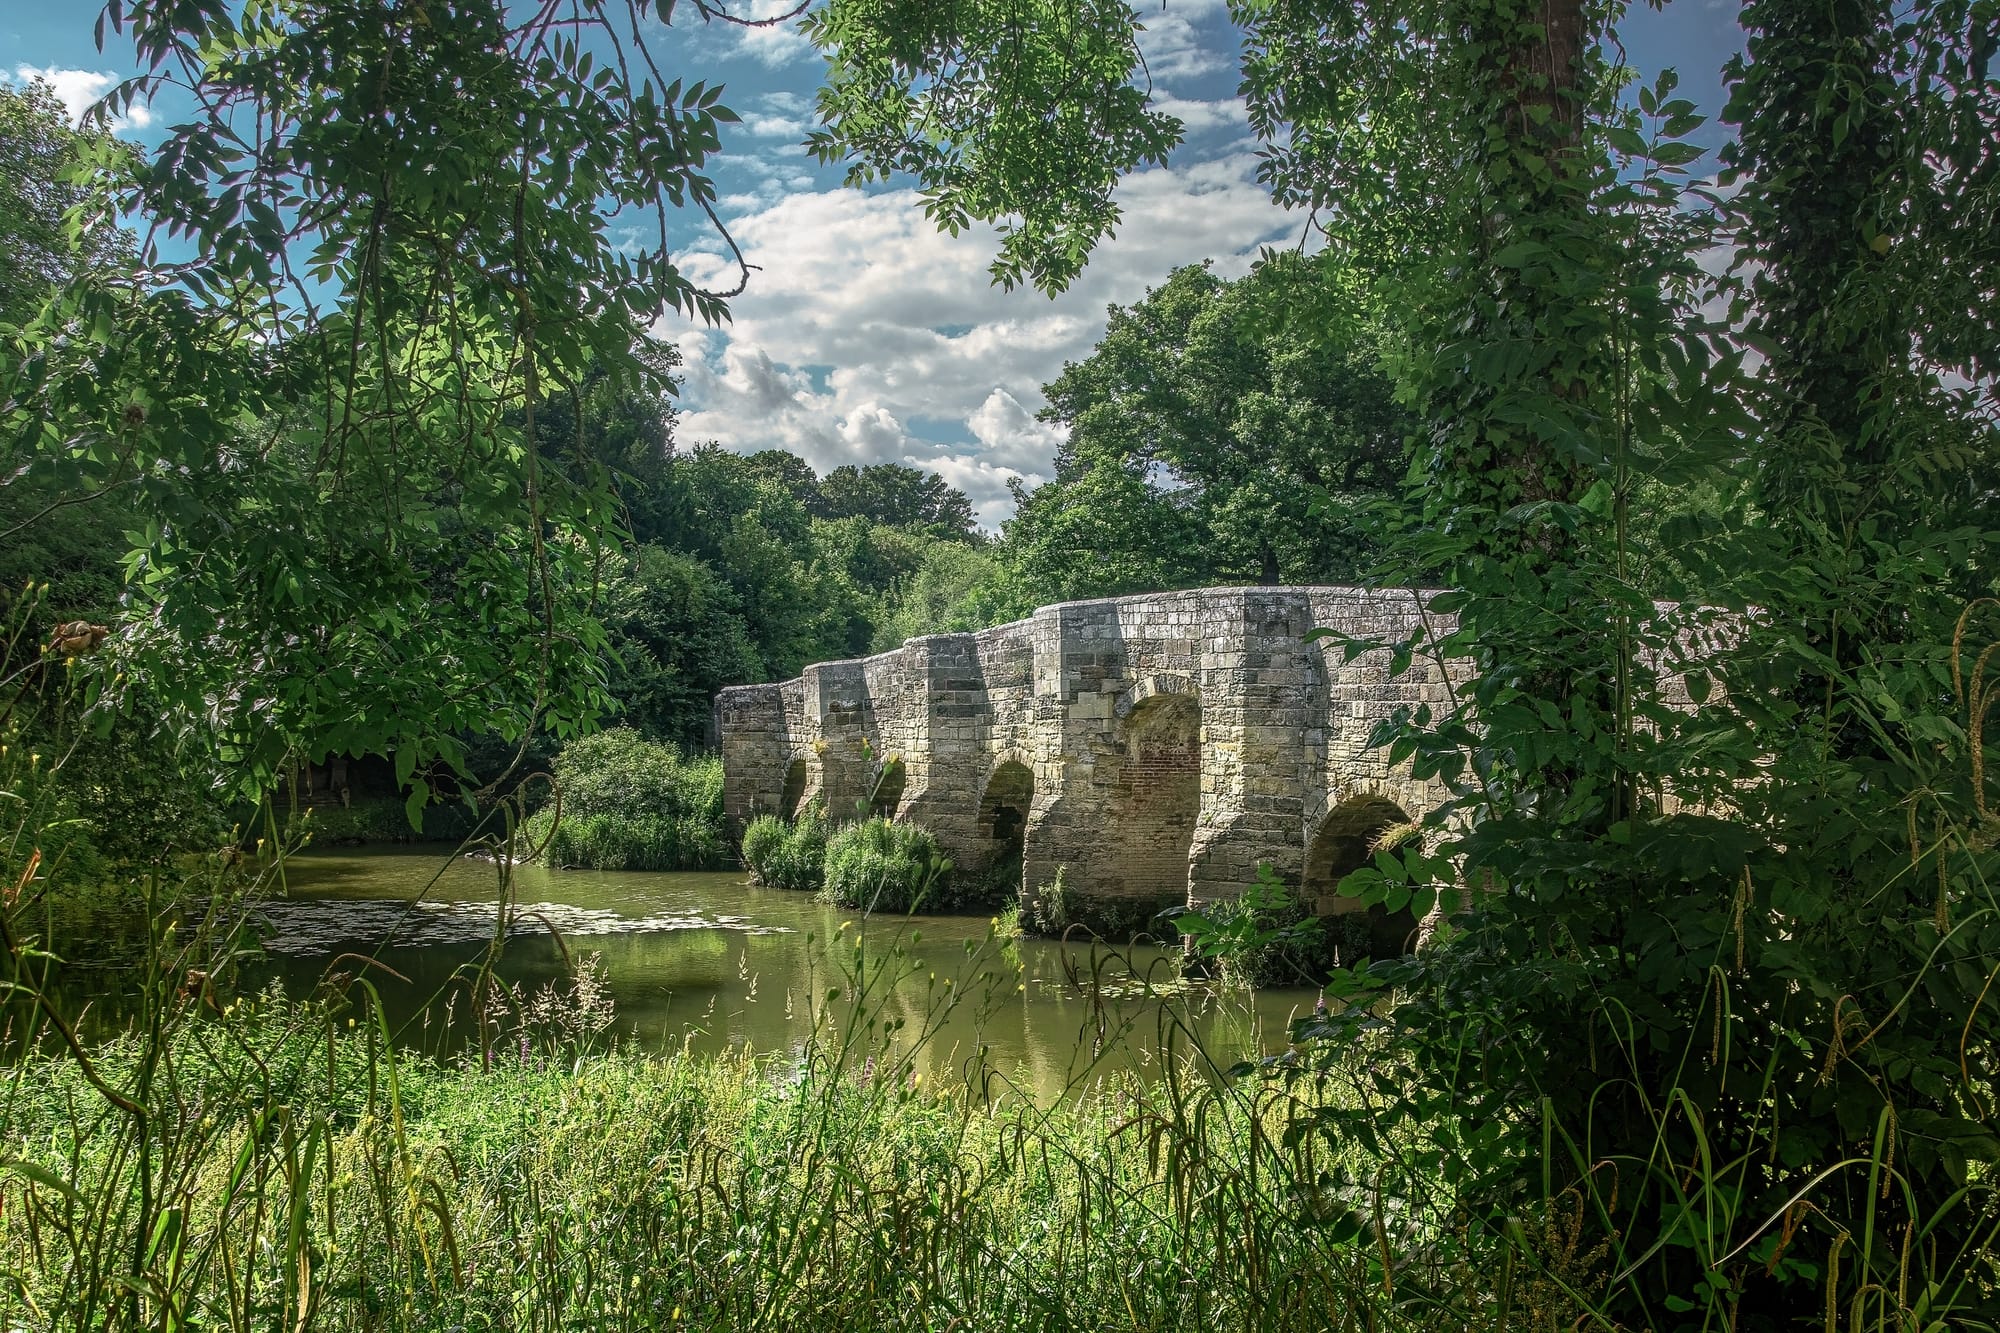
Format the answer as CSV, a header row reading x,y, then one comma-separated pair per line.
x,y
1519,254
413,805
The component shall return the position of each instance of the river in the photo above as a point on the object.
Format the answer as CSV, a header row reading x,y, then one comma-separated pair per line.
x,y
709,961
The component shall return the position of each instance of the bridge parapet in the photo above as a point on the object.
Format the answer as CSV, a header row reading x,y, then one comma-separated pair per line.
x,y
1155,748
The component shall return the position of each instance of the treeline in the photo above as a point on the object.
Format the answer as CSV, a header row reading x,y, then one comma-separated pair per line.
x,y
1205,446
1205,442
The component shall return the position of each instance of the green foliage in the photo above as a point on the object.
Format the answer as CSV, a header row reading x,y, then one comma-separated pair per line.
x,y
651,842
1721,965
580,1187
772,575
880,865
317,408
632,804
1725,961
1049,910
56,214
949,592
1106,532
1056,909
678,635
1265,937
788,854
893,496
1022,115
1271,434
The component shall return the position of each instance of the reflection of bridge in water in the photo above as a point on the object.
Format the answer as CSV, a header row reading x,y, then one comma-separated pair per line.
x,y
1155,748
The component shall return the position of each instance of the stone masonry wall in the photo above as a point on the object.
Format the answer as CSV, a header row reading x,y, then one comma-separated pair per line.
x,y
1174,740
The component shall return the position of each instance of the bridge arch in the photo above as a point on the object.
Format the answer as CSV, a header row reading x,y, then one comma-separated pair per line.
x,y
1006,799
792,795
885,788
1346,839
1151,687
1150,781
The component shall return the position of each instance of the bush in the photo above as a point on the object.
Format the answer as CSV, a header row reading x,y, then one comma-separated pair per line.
x,y
1057,909
1267,937
879,865
787,855
633,804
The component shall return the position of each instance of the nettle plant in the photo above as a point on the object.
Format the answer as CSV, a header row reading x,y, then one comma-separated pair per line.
x,y
1715,982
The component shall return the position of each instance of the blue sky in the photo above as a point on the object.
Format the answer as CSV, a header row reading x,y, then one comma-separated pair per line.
x,y
866,336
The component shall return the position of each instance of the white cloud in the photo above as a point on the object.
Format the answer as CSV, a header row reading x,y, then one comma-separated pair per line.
x,y
775,45
868,336
1175,46
79,90
1009,434
774,127
1198,116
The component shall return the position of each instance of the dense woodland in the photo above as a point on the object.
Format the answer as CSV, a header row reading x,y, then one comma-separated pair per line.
x,y
353,449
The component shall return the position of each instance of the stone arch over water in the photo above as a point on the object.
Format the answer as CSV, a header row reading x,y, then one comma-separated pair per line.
x,y
1347,839
1157,748
1004,807
793,794
1151,797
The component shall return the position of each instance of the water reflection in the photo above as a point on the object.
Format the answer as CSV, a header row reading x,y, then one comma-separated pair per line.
x,y
715,963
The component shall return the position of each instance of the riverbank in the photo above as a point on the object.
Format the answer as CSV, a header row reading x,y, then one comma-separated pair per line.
x,y
298,1176
707,958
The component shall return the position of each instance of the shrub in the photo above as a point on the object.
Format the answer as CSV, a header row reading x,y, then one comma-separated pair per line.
x,y
786,855
879,865
1057,909
633,804
761,837
1267,937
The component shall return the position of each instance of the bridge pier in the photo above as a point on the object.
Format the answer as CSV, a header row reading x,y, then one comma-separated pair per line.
x,y
1156,750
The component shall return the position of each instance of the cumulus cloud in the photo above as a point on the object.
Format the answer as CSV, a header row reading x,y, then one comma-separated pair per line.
x,y
868,336
79,90
773,127
775,45
1199,116
1009,434
1173,42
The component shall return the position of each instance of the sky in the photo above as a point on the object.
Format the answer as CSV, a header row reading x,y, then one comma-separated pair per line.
x,y
866,336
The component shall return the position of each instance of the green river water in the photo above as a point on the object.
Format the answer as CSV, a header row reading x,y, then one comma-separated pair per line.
x,y
710,961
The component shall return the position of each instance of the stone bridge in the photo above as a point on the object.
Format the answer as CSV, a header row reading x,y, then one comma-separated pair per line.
x,y
1154,748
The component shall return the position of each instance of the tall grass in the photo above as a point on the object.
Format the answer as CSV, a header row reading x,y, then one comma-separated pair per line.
x,y
633,804
250,1162
788,854
879,865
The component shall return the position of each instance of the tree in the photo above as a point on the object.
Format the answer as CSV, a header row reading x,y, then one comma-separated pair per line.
x,y
678,635
56,216
895,496
948,592
1787,869
1107,532
1275,445
56,222
791,472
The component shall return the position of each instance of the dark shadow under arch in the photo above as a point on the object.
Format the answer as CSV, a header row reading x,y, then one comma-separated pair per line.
x,y
1003,813
1346,840
795,788
887,796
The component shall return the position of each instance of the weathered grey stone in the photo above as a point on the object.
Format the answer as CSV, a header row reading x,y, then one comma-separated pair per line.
x,y
1157,749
